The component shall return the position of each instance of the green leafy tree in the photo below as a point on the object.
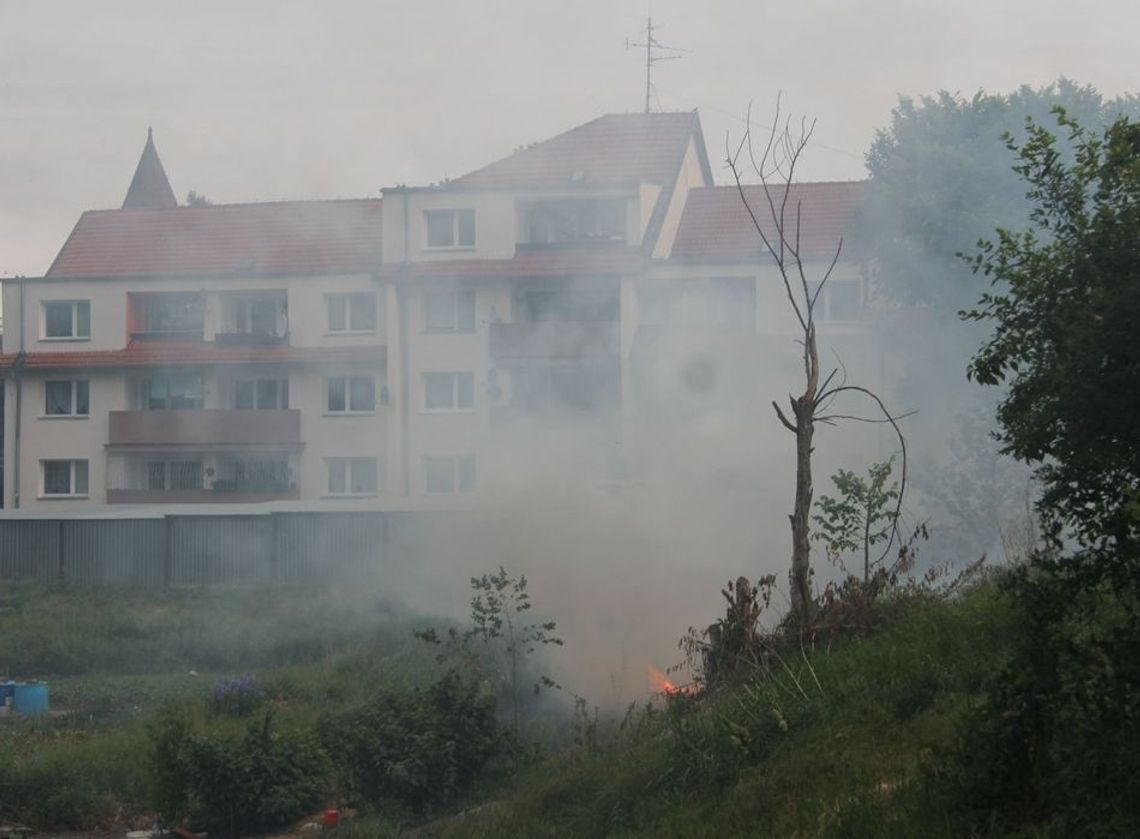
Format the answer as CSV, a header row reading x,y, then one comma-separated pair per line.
x,y
500,627
864,514
1054,749
1064,310
941,179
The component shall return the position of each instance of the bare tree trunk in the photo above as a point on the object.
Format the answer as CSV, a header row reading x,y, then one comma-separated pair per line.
x,y
802,599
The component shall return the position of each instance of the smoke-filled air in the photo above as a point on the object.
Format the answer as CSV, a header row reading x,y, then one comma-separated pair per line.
x,y
590,420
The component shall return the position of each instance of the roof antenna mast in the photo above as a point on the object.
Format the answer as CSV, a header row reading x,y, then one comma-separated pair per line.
x,y
652,55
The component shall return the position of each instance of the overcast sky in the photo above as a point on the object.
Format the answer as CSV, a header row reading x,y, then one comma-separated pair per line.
x,y
256,101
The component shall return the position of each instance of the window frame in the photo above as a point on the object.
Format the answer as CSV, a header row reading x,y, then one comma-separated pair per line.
x,y
282,401
456,391
146,386
349,465
456,242
346,383
75,307
73,477
74,389
345,299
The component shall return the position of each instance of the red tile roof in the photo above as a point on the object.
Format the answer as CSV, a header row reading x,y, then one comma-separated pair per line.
x,y
289,237
612,149
184,353
540,262
716,227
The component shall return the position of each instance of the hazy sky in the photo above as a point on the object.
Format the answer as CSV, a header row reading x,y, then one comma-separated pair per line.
x,y
268,100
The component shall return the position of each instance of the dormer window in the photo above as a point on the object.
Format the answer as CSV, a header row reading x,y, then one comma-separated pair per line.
x,y
450,228
574,220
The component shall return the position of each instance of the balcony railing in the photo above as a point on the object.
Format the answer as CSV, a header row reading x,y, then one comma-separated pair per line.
x,y
250,339
205,428
555,339
198,496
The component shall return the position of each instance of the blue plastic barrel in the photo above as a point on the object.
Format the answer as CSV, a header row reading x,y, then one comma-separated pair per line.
x,y
31,699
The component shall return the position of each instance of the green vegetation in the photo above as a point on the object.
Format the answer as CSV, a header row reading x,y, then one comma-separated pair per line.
x,y
835,745
218,663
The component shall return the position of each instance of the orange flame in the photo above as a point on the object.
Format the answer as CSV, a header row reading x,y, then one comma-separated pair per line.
x,y
661,683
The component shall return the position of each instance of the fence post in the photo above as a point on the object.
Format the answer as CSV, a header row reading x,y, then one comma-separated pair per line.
x,y
275,553
168,557
59,550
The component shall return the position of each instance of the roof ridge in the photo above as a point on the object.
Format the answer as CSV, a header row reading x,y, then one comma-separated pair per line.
x,y
278,202
794,183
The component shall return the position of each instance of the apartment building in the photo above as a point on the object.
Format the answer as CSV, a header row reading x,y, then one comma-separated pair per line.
x,y
199,354
574,298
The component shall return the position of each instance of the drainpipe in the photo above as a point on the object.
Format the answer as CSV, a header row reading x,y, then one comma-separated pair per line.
x,y
19,401
405,390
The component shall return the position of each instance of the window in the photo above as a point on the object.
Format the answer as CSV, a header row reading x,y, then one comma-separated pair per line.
x,y
65,477
550,222
351,394
449,391
171,393
173,474
260,316
352,475
67,319
844,300
532,305
67,399
173,313
450,228
262,394
450,311
352,312
449,474
254,473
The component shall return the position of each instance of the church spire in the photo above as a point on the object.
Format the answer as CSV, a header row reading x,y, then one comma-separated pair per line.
x,y
150,188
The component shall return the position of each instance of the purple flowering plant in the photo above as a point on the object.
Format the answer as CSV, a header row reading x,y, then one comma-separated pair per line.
x,y
239,696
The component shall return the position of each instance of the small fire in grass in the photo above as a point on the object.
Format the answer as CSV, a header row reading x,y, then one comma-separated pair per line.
x,y
662,684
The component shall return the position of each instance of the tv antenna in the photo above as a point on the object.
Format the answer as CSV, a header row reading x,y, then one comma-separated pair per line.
x,y
653,48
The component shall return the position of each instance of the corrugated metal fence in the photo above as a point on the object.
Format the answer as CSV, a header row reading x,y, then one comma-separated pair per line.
x,y
189,550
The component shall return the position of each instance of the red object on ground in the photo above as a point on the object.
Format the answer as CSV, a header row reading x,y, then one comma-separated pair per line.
x,y
331,818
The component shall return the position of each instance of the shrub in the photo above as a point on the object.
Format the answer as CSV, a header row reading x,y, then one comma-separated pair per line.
x,y
260,782
417,750
237,697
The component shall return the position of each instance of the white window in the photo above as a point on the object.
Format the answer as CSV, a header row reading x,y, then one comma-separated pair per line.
x,y
449,474
450,311
64,477
842,300
181,392
261,394
351,394
450,228
67,398
351,312
352,475
449,391
67,319
265,316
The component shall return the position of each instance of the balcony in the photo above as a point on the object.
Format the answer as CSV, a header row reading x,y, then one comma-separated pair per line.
x,y
251,339
198,496
205,428
555,339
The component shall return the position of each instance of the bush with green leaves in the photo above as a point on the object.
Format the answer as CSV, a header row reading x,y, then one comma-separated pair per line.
x,y
1057,745
414,751
263,780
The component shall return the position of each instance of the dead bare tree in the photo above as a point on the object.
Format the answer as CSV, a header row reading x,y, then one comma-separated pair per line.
x,y
780,156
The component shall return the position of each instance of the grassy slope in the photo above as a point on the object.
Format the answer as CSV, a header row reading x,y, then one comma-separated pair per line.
x,y
768,760
113,658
